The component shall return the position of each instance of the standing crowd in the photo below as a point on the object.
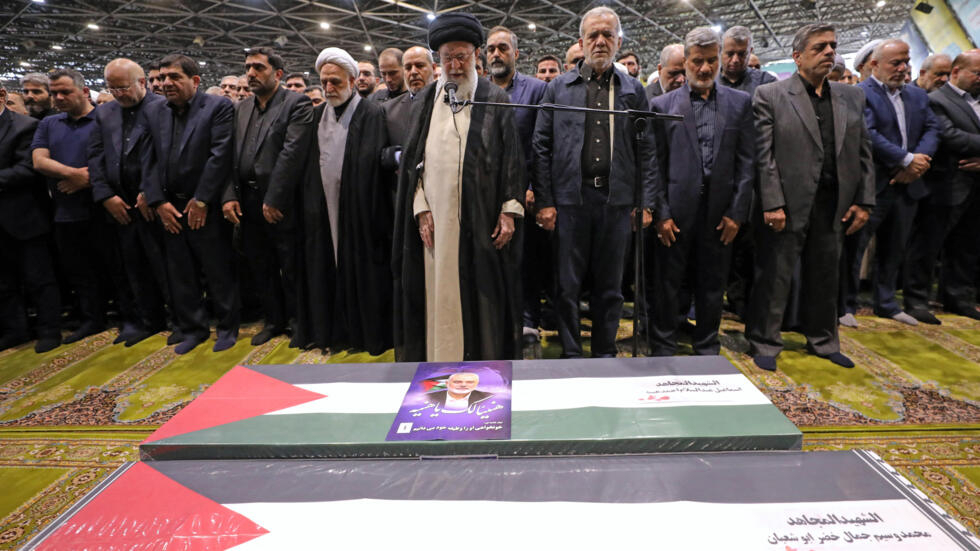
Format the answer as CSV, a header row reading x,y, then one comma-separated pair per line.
x,y
381,208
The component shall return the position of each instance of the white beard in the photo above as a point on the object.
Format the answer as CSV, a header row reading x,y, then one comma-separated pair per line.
x,y
466,86
334,102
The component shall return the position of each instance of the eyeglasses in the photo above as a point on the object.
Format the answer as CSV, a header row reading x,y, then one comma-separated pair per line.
x,y
458,58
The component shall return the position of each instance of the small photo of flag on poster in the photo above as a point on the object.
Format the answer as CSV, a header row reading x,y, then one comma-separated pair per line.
x,y
456,401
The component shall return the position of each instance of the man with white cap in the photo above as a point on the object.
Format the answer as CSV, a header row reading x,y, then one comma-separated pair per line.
x,y
344,288
861,59
460,195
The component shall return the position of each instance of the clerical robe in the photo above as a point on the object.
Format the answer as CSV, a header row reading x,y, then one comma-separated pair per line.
x,y
345,291
461,300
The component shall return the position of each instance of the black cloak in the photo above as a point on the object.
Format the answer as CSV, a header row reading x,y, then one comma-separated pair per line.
x,y
348,303
489,280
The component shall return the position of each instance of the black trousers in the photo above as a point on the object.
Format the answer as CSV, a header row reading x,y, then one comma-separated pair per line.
x,y
191,254
270,250
89,255
742,268
817,249
141,246
702,259
592,241
538,273
951,231
26,265
891,225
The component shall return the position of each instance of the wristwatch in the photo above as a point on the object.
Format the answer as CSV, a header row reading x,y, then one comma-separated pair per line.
x,y
200,204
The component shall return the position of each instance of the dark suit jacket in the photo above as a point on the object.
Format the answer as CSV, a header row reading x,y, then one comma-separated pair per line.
x,y
729,191
921,128
23,192
205,152
790,152
960,132
654,90
106,150
398,118
559,137
439,397
284,140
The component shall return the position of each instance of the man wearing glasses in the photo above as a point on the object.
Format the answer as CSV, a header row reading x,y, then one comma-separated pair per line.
x,y
460,195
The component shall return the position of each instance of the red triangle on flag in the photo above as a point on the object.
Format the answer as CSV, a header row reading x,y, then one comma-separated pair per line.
x,y
240,394
144,509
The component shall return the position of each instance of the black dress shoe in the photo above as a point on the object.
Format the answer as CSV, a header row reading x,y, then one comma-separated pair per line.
x,y
966,311
10,341
924,316
47,344
86,330
265,335
139,335
767,363
175,337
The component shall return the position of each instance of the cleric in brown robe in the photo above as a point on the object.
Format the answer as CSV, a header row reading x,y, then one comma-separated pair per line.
x,y
459,211
344,295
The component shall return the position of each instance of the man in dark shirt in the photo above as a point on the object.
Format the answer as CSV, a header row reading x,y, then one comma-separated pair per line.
x,y
736,73
586,170
192,138
272,133
117,150
86,245
816,182
25,258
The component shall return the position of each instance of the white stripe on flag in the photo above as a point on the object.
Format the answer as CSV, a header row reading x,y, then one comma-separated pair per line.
x,y
495,525
552,394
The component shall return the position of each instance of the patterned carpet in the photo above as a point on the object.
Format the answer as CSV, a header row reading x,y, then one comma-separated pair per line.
x,y
70,416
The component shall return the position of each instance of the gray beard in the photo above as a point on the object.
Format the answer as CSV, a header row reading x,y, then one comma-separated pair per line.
x,y
467,85
334,102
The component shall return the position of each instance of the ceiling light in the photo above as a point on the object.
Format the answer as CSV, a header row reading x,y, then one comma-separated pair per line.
x,y
532,26
880,3
367,47
716,28
324,25
93,26
38,1
24,64
56,47
430,16
248,49
201,63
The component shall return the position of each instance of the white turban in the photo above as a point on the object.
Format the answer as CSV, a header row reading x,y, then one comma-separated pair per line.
x,y
862,55
339,58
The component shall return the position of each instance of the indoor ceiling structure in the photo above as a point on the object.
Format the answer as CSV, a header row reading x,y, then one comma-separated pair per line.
x,y
38,35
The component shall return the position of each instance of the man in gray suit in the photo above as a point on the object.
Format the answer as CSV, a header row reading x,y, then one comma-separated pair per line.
x,y
670,71
816,178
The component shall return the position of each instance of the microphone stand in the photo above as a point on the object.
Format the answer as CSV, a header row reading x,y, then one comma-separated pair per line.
x,y
638,118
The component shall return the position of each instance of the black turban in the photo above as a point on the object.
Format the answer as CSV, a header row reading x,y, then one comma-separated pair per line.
x,y
455,27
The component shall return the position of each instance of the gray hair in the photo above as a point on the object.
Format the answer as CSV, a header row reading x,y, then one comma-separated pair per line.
x,y
740,34
933,59
226,77
40,79
599,10
880,48
839,64
700,36
669,50
802,36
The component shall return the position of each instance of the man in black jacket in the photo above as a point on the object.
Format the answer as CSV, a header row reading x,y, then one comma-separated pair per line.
x,y
272,134
192,136
118,146
949,218
25,257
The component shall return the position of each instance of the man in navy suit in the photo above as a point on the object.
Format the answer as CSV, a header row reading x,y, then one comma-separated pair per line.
x,y
949,219
703,195
25,228
117,149
904,137
193,136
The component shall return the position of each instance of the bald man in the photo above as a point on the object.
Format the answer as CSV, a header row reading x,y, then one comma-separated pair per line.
x,y
120,141
573,56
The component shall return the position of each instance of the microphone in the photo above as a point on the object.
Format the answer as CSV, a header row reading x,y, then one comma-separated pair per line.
x,y
454,104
